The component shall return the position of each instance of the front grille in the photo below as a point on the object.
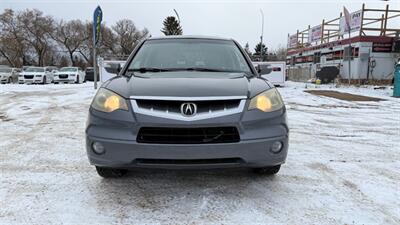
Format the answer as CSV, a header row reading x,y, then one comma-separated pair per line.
x,y
189,161
175,106
63,76
28,76
207,135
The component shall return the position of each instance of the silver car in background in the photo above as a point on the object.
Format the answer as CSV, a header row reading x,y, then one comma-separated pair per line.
x,y
184,102
8,74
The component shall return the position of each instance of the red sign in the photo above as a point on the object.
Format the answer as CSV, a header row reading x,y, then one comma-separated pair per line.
x,y
381,47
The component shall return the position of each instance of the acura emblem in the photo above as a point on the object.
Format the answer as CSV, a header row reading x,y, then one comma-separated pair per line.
x,y
188,109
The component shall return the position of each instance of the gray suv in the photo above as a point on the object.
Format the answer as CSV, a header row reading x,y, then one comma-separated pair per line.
x,y
185,102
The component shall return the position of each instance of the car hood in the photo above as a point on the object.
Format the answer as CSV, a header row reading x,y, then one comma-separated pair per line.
x,y
187,84
66,73
32,73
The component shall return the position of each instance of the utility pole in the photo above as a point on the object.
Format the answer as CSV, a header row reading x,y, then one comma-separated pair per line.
x,y
261,37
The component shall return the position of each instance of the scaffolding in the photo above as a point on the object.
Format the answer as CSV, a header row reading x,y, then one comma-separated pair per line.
x,y
374,22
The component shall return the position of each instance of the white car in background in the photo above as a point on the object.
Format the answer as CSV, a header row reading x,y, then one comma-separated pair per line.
x,y
70,75
9,75
36,75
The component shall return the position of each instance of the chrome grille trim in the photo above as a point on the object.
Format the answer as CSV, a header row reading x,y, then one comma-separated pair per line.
x,y
171,98
178,116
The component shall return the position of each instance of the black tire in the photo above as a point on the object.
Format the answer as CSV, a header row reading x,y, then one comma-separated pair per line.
x,y
10,80
110,172
44,80
55,82
267,170
77,80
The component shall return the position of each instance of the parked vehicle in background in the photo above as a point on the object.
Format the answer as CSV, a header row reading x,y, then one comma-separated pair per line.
x,y
9,75
278,75
90,74
36,75
69,75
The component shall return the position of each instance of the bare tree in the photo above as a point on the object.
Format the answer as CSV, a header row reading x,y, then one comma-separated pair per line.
x,y
12,46
106,46
36,32
31,38
108,41
70,35
85,50
127,35
280,53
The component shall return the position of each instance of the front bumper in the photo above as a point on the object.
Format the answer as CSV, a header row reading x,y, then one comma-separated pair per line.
x,y
258,131
60,80
125,154
35,80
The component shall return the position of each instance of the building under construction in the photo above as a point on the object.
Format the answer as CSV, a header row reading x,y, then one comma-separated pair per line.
x,y
324,50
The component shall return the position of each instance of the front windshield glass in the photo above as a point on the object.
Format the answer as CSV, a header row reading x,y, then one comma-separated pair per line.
x,y
35,69
5,70
191,54
69,69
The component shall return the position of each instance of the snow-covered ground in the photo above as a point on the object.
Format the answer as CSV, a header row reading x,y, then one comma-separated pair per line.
x,y
343,167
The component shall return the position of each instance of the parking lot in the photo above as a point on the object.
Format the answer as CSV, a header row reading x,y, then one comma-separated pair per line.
x,y
342,168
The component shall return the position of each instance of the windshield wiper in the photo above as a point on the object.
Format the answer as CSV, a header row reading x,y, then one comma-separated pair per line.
x,y
147,69
200,69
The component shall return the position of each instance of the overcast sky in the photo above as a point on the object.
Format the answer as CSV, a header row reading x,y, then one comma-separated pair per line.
x,y
240,20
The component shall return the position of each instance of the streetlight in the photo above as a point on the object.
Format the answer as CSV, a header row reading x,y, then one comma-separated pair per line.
x,y
261,37
177,15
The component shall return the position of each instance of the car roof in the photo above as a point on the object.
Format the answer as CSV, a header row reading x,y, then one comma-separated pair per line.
x,y
189,37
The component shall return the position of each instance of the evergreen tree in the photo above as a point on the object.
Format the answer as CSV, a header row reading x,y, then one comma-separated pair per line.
x,y
257,53
257,49
171,26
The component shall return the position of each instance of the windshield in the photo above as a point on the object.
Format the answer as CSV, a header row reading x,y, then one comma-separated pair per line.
x,y
189,54
35,69
69,69
5,70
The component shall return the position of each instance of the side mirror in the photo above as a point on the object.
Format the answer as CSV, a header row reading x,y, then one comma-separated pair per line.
x,y
115,68
264,69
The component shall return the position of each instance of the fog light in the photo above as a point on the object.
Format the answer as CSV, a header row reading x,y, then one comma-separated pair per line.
x,y
98,148
276,147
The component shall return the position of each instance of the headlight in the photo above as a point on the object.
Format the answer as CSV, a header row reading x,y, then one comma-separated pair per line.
x,y
267,101
108,101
